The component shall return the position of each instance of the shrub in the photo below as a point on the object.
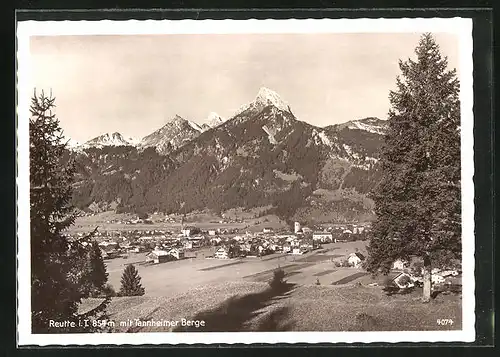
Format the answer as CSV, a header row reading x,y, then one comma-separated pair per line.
x,y
278,278
108,291
337,264
345,263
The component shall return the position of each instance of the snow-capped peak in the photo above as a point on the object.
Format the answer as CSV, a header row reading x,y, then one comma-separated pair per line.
x,y
372,125
214,120
108,139
266,96
178,121
133,141
175,133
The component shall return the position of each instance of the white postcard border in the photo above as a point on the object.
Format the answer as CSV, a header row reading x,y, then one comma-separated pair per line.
x,y
459,26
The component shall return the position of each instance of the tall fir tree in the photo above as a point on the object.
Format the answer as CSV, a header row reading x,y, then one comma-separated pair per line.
x,y
418,201
55,280
131,282
97,275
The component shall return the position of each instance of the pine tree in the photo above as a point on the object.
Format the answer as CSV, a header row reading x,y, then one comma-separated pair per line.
x,y
98,276
131,282
418,201
55,259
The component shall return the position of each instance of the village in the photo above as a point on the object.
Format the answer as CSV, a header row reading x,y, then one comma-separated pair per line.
x,y
334,253
164,245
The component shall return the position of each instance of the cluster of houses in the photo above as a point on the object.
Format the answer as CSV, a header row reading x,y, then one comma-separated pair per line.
x,y
406,278
162,244
159,255
300,241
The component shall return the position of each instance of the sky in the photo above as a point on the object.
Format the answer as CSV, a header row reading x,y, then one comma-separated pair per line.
x,y
134,84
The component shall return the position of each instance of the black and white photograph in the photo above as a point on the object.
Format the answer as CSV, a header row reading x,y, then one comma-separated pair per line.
x,y
312,179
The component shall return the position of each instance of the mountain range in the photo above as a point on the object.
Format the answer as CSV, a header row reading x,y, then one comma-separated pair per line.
x,y
174,134
262,156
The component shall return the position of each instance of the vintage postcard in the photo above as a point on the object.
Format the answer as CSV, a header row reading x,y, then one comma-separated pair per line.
x,y
256,181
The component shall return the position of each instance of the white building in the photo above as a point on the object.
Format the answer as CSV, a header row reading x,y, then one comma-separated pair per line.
x,y
437,279
216,240
306,230
157,256
355,259
287,248
222,253
399,265
296,227
323,236
403,280
177,253
108,245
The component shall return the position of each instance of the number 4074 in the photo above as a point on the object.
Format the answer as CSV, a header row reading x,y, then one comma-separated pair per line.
x,y
444,322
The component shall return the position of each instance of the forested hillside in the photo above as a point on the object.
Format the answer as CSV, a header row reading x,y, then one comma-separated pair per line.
x,y
262,156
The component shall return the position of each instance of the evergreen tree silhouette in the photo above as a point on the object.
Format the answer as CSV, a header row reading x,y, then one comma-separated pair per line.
x,y
97,274
131,282
418,201
56,260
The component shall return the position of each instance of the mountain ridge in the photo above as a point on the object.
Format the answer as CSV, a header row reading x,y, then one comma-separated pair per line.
x,y
175,133
261,156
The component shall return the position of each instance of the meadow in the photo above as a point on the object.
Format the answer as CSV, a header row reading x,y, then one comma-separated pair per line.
x,y
179,276
234,295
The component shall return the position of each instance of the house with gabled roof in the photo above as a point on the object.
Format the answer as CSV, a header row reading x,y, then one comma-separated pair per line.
x,y
355,259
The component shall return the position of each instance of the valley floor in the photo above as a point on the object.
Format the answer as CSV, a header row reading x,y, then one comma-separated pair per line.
x,y
234,295
179,276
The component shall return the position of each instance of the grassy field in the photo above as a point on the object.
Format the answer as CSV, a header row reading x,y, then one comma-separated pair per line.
x,y
234,295
246,306
163,279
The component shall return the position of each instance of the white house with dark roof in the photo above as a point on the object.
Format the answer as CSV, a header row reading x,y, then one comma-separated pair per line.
x,y
177,253
403,280
355,259
158,256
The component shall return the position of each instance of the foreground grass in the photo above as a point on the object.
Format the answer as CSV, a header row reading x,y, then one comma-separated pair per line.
x,y
248,306
357,308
